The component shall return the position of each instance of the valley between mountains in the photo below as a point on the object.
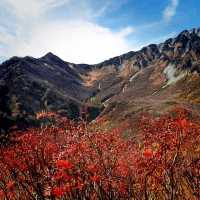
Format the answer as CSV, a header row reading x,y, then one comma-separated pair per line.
x,y
124,129
153,79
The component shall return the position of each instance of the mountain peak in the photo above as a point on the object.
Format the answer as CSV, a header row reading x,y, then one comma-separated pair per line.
x,y
49,55
195,30
52,58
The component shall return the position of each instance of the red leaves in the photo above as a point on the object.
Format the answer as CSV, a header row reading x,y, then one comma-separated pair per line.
x,y
148,153
95,178
2,195
10,185
92,168
183,124
122,188
122,168
66,160
58,192
62,175
79,185
64,164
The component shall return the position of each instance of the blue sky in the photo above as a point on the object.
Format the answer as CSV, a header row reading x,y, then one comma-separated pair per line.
x,y
90,31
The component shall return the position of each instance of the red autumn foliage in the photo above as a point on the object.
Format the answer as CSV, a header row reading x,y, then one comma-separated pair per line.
x,y
10,185
67,160
148,153
95,178
64,164
58,191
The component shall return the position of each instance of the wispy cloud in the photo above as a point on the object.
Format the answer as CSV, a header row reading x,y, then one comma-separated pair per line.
x,y
170,10
24,10
102,9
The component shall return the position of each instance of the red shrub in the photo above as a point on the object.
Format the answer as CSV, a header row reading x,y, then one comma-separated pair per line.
x,y
70,161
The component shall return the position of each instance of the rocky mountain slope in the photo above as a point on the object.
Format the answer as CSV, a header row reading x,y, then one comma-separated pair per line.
x,y
152,79
30,85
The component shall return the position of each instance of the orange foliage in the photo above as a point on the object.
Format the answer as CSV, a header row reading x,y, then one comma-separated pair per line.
x,y
68,161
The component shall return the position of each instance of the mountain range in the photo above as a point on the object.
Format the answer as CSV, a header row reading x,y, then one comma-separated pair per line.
x,y
153,79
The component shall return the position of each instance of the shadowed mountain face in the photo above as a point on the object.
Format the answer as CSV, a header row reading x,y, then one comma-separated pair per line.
x,y
152,79
31,85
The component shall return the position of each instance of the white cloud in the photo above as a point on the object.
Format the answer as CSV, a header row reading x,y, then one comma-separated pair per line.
x,y
170,10
126,31
30,9
74,41
30,31
101,10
